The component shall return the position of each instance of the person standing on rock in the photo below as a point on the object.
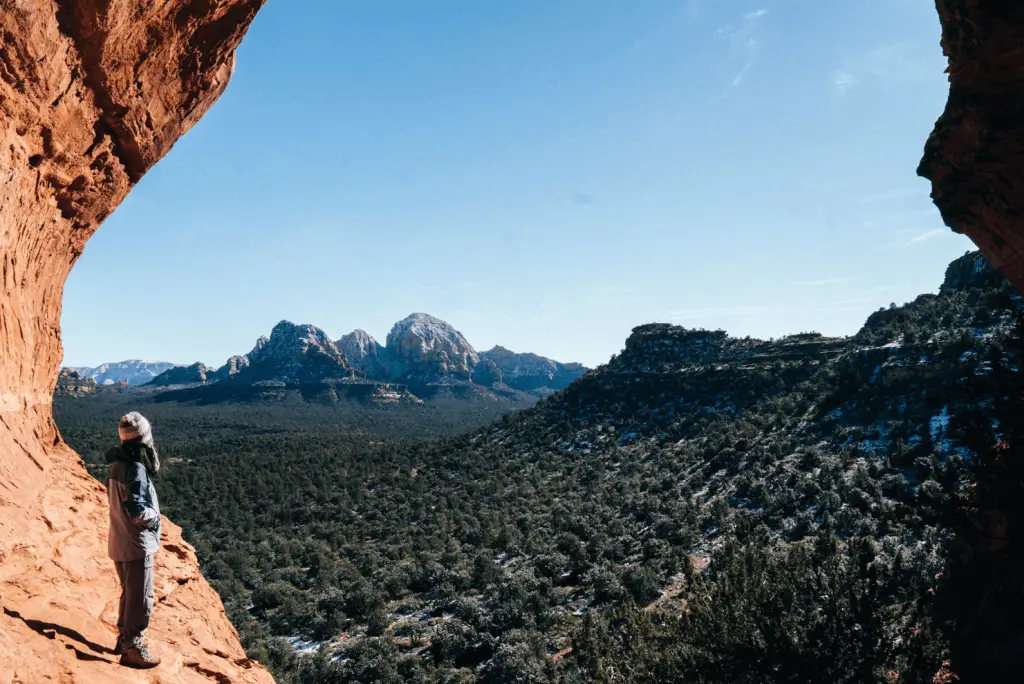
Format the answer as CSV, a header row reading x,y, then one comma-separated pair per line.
x,y
134,534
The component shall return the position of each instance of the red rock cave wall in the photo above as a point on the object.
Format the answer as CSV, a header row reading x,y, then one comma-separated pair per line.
x,y
92,94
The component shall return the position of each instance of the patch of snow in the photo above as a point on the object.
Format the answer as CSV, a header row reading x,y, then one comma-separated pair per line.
x,y
875,446
302,646
938,424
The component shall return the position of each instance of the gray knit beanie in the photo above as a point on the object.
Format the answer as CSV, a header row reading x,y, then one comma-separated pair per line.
x,y
134,426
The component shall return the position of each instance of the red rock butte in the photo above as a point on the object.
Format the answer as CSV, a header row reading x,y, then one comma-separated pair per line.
x,y
93,93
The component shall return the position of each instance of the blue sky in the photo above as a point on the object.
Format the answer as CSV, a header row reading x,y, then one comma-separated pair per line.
x,y
543,175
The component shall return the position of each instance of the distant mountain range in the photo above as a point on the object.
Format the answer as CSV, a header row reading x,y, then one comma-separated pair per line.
x,y
423,356
134,371
422,350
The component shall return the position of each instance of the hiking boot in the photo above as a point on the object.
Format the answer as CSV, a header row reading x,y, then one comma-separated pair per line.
x,y
139,658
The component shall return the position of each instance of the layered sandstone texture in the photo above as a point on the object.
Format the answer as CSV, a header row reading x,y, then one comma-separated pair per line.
x,y
92,94
975,156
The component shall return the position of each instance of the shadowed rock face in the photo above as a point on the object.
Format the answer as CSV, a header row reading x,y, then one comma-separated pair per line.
x,y
530,372
181,375
296,354
975,156
364,353
92,94
975,160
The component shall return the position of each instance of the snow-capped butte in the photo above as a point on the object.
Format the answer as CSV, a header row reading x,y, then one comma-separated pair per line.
x,y
295,353
422,348
133,371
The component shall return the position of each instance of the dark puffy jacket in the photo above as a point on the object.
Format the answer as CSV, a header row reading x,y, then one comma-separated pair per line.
x,y
134,509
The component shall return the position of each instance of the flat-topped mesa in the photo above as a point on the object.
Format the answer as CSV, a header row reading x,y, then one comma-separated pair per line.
x,y
801,347
662,342
658,347
92,94
975,155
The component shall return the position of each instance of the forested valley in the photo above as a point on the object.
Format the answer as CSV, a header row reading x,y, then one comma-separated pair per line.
x,y
700,509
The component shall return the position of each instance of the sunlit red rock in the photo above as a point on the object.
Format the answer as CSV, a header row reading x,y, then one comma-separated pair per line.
x,y
92,94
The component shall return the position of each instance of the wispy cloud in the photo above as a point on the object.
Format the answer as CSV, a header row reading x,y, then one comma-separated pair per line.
x,y
888,64
893,195
897,62
825,282
916,217
844,81
849,302
743,47
925,236
912,237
